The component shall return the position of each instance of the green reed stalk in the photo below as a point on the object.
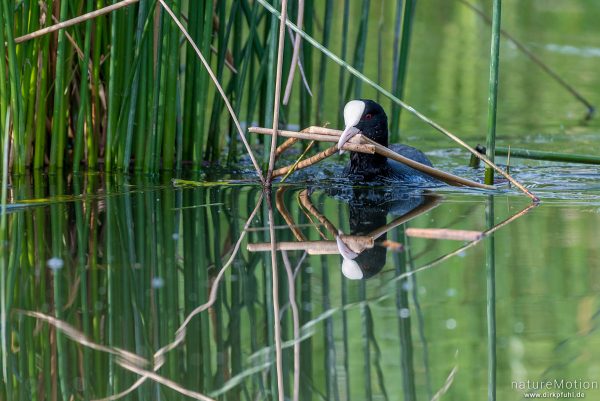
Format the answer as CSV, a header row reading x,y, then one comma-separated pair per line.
x,y
203,76
84,93
151,143
59,129
190,90
115,74
328,22
307,59
16,99
4,91
359,50
269,87
172,81
493,90
41,101
135,87
30,75
404,31
213,149
3,246
344,51
238,79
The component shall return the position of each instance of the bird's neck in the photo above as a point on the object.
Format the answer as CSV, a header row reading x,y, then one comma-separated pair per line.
x,y
369,165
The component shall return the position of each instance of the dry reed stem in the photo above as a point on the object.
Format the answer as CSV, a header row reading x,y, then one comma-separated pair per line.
x,y
444,233
300,67
276,107
307,162
352,146
218,86
75,21
285,146
296,54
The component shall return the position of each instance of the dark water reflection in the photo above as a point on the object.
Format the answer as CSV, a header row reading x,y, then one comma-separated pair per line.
x,y
125,261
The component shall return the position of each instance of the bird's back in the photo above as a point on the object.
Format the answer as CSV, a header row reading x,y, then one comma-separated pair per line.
x,y
403,172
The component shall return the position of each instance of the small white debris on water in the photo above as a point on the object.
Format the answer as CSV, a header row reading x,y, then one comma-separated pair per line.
x,y
450,324
158,282
404,313
55,263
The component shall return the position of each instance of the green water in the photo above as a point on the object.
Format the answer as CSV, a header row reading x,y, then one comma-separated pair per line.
x,y
125,260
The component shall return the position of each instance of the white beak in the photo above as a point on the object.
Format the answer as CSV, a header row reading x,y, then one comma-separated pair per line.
x,y
348,133
352,114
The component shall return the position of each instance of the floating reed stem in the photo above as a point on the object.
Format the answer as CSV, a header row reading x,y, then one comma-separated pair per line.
x,y
493,89
393,98
548,156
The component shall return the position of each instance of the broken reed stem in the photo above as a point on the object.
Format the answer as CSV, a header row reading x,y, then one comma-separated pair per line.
x,y
393,98
307,162
536,60
295,56
285,146
75,21
276,106
351,146
219,88
293,167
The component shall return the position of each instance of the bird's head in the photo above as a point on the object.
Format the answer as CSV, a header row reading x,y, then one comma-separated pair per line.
x,y
367,117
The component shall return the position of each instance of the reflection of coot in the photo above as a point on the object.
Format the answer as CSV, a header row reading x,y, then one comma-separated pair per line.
x,y
369,208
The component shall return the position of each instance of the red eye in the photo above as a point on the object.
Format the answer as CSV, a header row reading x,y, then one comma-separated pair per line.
x,y
368,116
